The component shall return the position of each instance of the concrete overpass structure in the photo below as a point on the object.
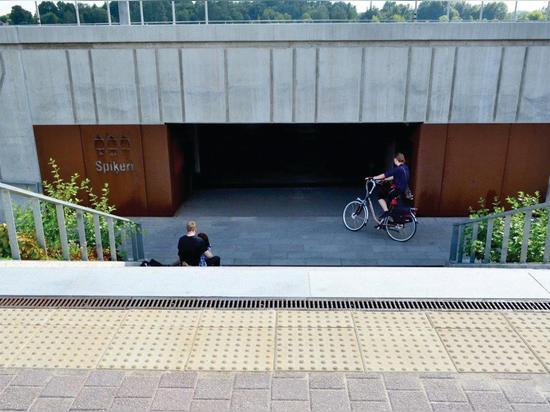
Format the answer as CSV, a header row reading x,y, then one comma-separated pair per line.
x,y
477,95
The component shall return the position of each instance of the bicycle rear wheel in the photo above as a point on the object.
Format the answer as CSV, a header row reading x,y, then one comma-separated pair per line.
x,y
355,215
401,230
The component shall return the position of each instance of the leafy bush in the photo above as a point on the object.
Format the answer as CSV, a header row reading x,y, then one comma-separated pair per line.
x,y
537,234
75,190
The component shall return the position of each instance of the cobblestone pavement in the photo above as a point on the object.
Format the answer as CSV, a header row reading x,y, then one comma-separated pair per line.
x,y
292,226
112,390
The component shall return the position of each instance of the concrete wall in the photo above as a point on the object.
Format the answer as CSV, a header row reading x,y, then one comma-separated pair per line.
x,y
435,73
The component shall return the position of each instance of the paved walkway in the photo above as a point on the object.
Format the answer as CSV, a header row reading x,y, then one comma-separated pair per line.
x,y
115,279
77,390
292,226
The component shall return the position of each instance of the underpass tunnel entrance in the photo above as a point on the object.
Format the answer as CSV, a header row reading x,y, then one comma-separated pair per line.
x,y
287,155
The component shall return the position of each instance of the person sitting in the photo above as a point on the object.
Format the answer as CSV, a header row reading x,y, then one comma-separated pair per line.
x,y
204,261
191,248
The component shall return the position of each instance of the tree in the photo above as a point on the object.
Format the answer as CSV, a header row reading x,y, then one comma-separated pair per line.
x,y
19,15
431,10
495,11
372,14
536,15
49,18
396,12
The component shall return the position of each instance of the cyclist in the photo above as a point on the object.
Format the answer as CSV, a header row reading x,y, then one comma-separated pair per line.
x,y
400,177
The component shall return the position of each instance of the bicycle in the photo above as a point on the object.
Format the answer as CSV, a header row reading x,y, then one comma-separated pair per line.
x,y
400,223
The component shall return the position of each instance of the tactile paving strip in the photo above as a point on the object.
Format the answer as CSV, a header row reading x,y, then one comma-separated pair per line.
x,y
489,350
232,349
403,349
317,349
529,320
62,346
24,316
167,318
238,318
85,317
314,319
468,320
539,342
149,347
12,340
411,320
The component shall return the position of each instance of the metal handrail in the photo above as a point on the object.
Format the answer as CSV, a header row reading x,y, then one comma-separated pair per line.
x,y
135,231
460,248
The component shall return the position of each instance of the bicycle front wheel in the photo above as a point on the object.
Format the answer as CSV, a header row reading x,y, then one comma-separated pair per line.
x,y
355,215
401,230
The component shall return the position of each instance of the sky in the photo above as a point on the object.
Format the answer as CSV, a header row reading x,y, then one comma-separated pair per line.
x,y
361,5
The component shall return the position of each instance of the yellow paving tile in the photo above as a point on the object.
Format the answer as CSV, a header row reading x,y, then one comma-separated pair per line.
x,y
165,318
24,316
232,349
149,346
12,339
85,317
64,346
470,320
489,350
411,320
314,319
403,349
317,349
238,318
539,342
529,319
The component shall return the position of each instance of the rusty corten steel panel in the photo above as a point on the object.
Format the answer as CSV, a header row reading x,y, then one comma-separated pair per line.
x,y
114,154
158,179
429,155
475,157
61,143
528,163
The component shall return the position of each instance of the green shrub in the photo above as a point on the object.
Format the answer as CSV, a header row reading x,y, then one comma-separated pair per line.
x,y
537,235
75,190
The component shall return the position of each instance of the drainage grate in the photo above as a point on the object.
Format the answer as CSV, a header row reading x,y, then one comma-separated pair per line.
x,y
361,304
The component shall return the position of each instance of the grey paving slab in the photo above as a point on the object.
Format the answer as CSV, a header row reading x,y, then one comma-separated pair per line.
x,y
94,397
138,387
32,377
172,399
5,381
51,405
252,381
105,378
63,386
521,392
251,400
214,387
131,405
451,407
477,382
443,390
370,406
178,380
488,401
366,390
529,407
18,397
327,381
290,389
409,401
330,400
210,405
402,381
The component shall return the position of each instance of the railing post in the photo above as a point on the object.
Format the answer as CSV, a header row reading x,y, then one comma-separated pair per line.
x,y
38,225
454,243
82,235
460,245
173,12
505,239
516,11
206,11
141,12
133,237
10,222
38,13
481,12
139,234
62,231
448,10
108,13
77,12
526,233
488,241
98,244
112,242
475,231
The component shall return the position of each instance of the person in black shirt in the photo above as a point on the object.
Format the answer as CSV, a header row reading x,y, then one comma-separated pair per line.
x,y
400,176
191,248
